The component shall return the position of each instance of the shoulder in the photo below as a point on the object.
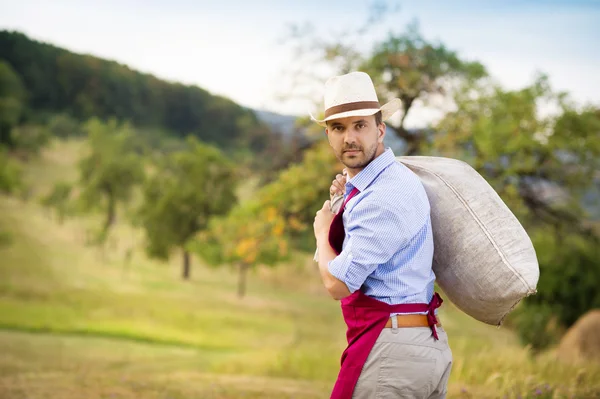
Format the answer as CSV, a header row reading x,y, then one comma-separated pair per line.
x,y
397,185
396,194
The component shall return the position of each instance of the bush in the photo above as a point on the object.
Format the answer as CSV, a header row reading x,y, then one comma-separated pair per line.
x,y
567,288
537,325
10,174
64,126
29,139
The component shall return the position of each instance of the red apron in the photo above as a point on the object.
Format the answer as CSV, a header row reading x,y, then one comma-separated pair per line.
x,y
366,318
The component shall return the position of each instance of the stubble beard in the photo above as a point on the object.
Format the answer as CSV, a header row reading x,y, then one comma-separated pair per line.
x,y
354,162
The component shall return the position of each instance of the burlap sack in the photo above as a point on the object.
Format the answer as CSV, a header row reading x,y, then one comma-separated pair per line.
x,y
483,259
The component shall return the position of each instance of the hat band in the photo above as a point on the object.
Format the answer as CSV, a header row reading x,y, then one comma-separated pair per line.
x,y
351,107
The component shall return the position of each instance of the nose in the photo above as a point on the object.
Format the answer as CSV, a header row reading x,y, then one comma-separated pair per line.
x,y
350,136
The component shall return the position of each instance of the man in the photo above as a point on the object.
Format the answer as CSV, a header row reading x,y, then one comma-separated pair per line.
x,y
375,255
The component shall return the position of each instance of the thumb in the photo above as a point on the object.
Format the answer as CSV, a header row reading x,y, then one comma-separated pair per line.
x,y
327,205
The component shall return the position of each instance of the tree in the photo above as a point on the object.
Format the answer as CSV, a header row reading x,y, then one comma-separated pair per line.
x,y
10,173
299,192
10,180
188,188
58,199
12,98
110,171
541,166
249,235
409,67
279,216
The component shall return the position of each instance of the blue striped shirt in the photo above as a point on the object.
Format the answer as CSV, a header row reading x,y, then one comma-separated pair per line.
x,y
388,248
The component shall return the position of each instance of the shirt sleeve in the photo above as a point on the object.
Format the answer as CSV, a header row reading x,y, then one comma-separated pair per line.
x,y
376,232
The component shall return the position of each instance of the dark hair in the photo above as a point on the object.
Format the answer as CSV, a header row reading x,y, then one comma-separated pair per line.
x,y
378,119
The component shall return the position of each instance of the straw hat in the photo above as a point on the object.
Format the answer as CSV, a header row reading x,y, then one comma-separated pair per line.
x,y
353,94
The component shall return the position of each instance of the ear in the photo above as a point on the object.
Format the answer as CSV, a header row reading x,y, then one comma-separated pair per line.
x,y
328,137
381,129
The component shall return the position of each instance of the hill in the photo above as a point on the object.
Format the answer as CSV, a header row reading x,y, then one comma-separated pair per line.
x,y
76,321
60,81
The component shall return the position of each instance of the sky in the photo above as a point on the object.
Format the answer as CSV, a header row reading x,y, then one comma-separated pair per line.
x,y
234,48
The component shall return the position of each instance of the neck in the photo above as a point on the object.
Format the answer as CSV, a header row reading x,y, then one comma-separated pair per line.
x,y
350,173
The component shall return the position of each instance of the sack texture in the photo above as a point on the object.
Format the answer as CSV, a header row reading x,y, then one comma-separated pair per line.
x,y
484,260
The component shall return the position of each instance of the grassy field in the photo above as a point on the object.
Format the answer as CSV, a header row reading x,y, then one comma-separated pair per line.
x,y
80,322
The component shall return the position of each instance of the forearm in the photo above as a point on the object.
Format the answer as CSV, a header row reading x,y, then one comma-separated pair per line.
x,y
336,288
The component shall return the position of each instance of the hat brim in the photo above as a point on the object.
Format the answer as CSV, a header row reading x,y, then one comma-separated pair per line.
x,y
387,110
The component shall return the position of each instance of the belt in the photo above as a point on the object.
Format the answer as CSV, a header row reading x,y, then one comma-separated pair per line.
x,y
410,320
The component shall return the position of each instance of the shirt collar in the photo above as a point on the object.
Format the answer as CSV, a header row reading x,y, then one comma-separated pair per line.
x,y
363,179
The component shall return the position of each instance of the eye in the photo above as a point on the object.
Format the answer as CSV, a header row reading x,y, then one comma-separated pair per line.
x,y
361,125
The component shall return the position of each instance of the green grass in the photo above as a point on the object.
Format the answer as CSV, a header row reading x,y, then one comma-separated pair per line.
x,y
77,321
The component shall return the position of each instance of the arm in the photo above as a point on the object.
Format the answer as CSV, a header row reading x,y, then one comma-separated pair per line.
x,y
336,288
377,232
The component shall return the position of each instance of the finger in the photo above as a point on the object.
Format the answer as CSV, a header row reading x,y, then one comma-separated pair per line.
x,y
335,188
326,204
340,181
338,187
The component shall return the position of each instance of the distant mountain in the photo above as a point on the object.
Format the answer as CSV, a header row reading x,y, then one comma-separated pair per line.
x,y
279,123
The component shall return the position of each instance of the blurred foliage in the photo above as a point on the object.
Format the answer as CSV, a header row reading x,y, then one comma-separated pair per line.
x,y
279,216
188,188
83,86
249,235
28,140
541,166
64,126
10,181
568,288
12,97
110,171
537,326
58,199
570,274
409,67
10,173
300,191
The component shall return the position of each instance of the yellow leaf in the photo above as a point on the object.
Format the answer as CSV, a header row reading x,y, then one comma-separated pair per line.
x,y
271,214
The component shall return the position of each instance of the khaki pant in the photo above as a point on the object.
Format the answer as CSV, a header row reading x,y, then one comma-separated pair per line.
x,y
406,363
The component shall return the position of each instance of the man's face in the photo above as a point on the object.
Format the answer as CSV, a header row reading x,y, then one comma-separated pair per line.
x,y
355,140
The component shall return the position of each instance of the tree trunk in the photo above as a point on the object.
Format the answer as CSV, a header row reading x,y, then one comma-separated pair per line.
x,y
242,279
186,265
110,212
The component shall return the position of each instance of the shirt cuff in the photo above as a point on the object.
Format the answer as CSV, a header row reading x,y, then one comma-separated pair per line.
x,y
338,267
